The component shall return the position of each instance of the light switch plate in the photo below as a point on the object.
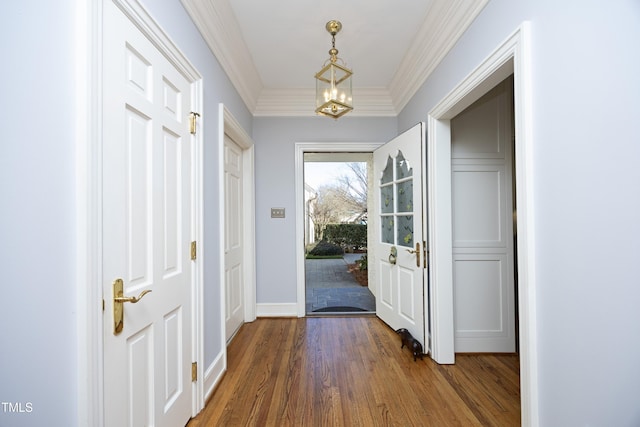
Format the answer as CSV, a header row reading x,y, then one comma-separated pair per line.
x,y
277,212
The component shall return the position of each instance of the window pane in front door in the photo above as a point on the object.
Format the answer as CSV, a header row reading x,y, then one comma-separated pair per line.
x,y
396,202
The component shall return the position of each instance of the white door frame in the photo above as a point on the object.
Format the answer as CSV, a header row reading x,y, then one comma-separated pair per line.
x,y
88,28
511,57
300,149
227,124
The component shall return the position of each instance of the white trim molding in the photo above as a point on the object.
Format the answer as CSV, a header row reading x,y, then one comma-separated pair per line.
x,y
512,56
197,232
434,40
88,37
213,375
277,310
219,28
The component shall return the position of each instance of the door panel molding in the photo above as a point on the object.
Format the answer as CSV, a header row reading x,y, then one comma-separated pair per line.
x,y
484,181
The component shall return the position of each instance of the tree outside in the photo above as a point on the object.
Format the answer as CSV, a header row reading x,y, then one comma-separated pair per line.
x,y
338,200
342,201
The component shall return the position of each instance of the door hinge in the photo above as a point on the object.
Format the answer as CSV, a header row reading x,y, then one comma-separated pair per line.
x,y
192,122
194,371
193,250
102,304
426,254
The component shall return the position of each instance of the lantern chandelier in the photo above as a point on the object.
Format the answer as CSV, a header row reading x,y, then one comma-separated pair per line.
x,y
333,81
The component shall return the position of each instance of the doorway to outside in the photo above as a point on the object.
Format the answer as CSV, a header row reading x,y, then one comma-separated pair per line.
x,y
335,233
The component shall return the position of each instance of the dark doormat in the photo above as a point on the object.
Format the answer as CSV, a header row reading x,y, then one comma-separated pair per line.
x,y
338,309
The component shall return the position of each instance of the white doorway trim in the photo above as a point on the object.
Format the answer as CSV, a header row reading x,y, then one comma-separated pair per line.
x,y
89,206
230,126
511,57
300,149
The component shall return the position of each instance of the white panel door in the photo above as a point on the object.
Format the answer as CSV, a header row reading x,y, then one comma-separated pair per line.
x,y
399,239
233,237
482,225
147,230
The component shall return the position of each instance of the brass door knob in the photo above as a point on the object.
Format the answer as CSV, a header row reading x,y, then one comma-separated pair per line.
x,y
118,300
393,255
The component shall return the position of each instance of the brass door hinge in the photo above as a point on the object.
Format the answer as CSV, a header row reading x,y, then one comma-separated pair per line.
x,y
194,371
426,254
193,250
192,122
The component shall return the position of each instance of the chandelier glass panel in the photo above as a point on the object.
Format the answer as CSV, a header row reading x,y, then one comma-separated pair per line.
x,y
333,81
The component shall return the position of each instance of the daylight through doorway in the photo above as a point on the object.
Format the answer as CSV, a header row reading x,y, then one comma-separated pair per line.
x,y
335,233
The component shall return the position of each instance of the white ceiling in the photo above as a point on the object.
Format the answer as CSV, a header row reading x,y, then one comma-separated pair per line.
x,y
272,49
292,35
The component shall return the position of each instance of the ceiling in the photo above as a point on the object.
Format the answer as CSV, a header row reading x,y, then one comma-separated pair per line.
x,y
271,50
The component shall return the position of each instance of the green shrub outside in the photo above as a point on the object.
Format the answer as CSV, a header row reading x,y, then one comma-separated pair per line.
x,y
324,248
351,236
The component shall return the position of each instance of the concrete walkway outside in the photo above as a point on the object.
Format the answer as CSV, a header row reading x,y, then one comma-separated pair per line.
x,y
329,284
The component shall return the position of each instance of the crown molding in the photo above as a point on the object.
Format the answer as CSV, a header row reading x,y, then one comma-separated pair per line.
x,y
445,22
218,25
368,102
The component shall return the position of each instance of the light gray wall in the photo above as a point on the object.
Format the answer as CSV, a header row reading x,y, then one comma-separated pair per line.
x,y
39,341
586,104
275,140
37,213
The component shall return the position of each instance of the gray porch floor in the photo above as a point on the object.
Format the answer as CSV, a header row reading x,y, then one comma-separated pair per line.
x,y
329,284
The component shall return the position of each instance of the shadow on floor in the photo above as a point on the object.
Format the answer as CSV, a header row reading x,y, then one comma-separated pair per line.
x,y
329,284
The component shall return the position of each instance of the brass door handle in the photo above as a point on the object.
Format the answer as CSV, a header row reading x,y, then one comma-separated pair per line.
x,y
118,300
132,300
417,252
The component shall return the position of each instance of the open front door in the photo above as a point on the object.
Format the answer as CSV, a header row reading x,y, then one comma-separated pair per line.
x,y
399,246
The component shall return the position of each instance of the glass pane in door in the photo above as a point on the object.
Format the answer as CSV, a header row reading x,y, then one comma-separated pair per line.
x,y
405,230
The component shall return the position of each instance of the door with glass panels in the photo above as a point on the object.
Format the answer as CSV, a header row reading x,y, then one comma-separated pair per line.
x,y
399,238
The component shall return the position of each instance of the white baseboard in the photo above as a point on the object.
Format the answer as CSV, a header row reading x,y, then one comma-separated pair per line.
x,y
277,310
213,375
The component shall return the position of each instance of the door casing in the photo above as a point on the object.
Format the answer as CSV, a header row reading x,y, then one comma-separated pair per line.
x,y
300,149
89,142
230,126
510,57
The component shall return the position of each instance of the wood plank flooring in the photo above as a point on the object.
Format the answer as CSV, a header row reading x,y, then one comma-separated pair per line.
x,y
350,371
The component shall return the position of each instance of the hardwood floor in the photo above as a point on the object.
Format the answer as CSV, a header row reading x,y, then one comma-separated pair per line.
x,y
350,371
